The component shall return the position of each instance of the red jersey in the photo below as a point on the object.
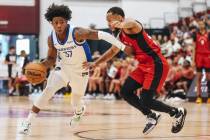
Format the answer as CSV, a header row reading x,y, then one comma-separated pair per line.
x,y
202,43
146,51
153,67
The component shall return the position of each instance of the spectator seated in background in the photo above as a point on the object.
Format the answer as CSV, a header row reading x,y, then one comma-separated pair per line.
x,y
118,72
171,46
114,74
95,81
181,82
187,76
18,84
22,86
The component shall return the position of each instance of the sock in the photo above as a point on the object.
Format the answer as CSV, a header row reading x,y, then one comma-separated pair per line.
x,y
31,116
76,102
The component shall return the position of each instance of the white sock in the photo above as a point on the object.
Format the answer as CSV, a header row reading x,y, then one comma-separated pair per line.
x,y
78,109
31,116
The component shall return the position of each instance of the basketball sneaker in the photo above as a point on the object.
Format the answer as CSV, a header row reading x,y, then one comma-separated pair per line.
x,y
25,128
199,100
179,119
152,120
77,116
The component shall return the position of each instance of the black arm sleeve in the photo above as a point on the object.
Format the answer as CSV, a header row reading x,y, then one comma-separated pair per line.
x,y
194,36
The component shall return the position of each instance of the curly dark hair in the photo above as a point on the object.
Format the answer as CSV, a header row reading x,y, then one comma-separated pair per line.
x,y
58,11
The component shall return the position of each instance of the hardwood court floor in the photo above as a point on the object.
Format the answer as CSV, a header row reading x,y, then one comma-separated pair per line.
x,y
104,120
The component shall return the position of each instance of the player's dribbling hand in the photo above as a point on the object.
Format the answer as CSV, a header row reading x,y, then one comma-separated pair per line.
x,y
88,65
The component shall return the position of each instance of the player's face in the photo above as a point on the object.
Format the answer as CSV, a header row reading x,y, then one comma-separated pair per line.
x,y
113,17
59,24
12,51
201,25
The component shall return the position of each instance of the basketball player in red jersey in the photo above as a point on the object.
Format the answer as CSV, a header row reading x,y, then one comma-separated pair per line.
x,y
201,57
150,73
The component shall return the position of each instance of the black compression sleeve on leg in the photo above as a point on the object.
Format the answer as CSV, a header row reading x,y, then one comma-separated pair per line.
x,y
127,92
147,98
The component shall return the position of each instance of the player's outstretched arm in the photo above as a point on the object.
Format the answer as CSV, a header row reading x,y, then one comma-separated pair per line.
x,y
51,55
82,34
108,55
130,25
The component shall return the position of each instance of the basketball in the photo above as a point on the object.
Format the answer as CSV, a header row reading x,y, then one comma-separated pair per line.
x,y
35,73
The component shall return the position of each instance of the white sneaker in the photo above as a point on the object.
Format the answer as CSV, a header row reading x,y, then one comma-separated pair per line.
x,y
25,128
88,96
60,95
56,96
179,120
77,116
106,97
100,96
152,121
111,97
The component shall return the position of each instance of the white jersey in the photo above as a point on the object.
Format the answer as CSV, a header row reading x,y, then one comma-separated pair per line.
x,y
70,71
71,52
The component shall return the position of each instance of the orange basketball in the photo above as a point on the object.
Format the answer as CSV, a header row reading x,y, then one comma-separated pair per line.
x,y
35,72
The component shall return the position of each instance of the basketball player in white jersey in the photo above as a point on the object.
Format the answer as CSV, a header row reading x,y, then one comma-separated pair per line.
x,y
68,44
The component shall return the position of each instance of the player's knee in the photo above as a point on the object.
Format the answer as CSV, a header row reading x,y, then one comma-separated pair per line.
x,y
47,94
125,91
146,97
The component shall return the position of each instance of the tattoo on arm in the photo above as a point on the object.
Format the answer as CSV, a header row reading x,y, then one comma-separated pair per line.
x,y
83,34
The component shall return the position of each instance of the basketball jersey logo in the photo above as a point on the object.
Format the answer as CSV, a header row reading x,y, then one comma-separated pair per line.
x,y
202,42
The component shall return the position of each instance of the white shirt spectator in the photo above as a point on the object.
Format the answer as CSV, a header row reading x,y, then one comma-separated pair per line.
x,y
170,47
